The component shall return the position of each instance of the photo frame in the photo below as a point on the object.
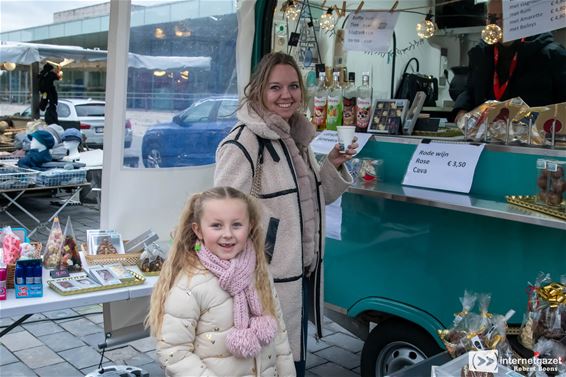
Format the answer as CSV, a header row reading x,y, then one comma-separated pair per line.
x,y
388,116
413,113
104,242
65,285
120,271
85,282
104,275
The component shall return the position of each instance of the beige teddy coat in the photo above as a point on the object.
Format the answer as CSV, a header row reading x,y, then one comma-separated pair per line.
x,y
198,316
236,159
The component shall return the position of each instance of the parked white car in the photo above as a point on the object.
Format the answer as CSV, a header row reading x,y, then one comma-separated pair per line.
x,y
90,114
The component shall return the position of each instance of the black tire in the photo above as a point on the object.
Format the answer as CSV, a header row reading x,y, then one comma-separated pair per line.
x,y
395,344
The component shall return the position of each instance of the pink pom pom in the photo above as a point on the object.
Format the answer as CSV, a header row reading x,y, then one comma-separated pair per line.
x,y
243,343
264,327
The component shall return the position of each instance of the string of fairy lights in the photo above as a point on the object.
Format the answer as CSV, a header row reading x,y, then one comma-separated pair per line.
x,y
425,29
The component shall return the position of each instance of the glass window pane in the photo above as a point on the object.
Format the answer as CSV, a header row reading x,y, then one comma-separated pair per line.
x,y
228,109
63,110
90,110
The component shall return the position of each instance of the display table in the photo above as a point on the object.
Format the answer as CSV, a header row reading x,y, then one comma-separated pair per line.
x,y
25,307
13,195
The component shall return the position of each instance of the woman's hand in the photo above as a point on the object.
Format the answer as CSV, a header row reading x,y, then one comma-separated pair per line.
x,y
337,158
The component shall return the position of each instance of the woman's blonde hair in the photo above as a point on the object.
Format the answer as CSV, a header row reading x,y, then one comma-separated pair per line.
x,y
182,256
253,92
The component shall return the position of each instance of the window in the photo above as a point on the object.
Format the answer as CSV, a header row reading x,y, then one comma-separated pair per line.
x,y
197,113
90,110
63,111
227,109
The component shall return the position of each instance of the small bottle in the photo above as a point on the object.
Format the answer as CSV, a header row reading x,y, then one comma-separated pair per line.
x,y
37,274
363,104
29,274
320,98
3,278
350,94
20,275
335,104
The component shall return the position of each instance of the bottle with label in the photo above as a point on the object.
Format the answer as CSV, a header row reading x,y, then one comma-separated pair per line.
x,y
335,104
363,104
320,103
20,275
350,94
311,83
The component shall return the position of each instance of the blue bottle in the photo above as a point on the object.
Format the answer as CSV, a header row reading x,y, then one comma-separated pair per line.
x,y
20,275
29,274
38,274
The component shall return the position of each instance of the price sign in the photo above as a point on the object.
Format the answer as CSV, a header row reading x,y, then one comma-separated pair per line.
x,y
525,18
443,166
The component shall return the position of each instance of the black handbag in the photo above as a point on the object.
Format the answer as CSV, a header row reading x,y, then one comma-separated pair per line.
x,y
411,83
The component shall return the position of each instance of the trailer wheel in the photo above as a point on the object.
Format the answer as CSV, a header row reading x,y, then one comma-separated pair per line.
x,y
394,345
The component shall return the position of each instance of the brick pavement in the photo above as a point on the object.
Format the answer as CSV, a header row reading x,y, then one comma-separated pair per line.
x,y
63,343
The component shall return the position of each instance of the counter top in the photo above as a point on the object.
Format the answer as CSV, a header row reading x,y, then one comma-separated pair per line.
x,y
457,202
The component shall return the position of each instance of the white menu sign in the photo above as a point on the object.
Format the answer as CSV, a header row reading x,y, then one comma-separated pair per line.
x,y
443,166
525,18
370,31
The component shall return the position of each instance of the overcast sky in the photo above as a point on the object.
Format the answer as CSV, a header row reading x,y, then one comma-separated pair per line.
x,y
20,14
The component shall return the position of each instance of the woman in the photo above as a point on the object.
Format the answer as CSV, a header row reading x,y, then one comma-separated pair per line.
x,y
267,154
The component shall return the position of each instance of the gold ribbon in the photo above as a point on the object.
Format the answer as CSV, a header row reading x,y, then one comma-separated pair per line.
x,y
554,294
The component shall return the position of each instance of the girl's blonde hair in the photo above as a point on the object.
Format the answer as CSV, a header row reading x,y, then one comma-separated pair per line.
x,y
182,256
260,79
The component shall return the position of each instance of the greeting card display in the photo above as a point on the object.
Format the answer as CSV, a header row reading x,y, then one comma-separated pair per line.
x,y
104,275
388,116
104,242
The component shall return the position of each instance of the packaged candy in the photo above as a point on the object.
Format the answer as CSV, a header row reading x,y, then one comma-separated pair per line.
x,y
53,246
152,258
549,356
28,251
11,246
69,256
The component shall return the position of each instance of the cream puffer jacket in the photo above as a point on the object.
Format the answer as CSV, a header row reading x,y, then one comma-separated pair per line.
x,y
198,316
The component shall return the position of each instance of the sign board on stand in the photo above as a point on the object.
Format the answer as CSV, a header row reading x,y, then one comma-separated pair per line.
x,y
443,166
370,31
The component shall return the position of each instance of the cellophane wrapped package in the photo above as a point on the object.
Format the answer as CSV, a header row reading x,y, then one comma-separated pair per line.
x,y
473,331
10,246
53,247
152,258
69,256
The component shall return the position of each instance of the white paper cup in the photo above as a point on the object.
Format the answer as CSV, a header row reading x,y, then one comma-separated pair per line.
x,y
345,136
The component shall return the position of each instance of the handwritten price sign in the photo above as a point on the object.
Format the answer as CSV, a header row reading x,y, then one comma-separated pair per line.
x,y
443,166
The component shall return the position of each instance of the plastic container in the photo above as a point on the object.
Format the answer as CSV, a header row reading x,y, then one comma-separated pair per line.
x,y
3,277
551,182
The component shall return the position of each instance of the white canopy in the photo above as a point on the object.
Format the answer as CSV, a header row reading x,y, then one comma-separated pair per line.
x,y
28,53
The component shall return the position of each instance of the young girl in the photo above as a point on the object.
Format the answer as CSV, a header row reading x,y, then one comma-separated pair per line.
x,y
214,311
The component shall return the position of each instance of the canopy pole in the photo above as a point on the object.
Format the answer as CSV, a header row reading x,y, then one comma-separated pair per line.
x,y
34,88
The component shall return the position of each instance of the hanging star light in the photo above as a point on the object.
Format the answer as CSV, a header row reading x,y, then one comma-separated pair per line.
x,y
292,10
327,20
492,33
427,27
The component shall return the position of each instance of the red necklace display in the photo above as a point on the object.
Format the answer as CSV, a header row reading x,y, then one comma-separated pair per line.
x,y
498,89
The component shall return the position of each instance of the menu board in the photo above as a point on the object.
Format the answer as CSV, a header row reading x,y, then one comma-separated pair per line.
x,y
370,31
525,18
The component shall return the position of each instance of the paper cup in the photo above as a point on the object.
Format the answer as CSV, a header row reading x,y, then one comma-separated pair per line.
x,y
345,136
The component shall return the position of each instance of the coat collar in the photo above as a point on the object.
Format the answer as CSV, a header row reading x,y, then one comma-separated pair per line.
x,y
272,126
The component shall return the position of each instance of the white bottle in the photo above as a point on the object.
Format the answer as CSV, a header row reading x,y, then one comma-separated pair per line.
x,y
320,102
334,112
363,104
350,95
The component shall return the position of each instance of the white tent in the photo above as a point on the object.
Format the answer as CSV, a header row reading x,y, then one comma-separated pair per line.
x,y
28,53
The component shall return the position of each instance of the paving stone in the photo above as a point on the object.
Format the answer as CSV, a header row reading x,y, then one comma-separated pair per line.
x,y
332,370
61,341
347,342
94,339
59,370
139,360
313,345
340,356
144,345
314,360
357,370
153,355
59,314
19,341
154,369
38,357
43,328
81,327
6,357
122,353
333,327
96,318
17,370
89,309
82,357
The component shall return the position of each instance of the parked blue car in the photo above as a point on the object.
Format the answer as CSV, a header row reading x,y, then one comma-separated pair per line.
x,y
193,135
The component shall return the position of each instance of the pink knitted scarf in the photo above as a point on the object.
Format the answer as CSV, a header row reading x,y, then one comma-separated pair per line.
x,y
250,332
